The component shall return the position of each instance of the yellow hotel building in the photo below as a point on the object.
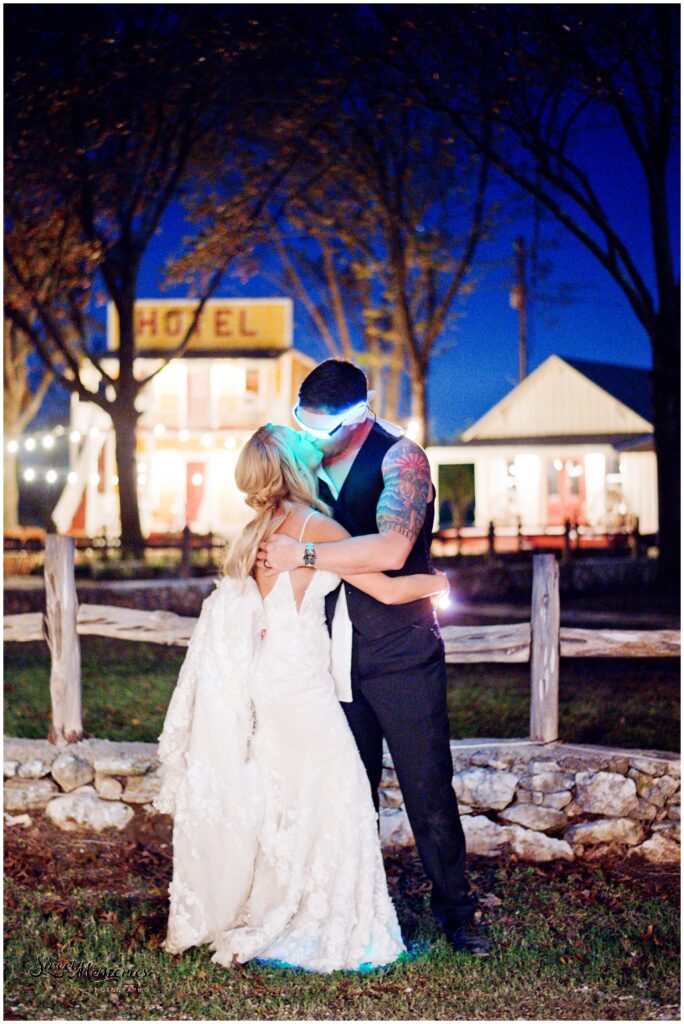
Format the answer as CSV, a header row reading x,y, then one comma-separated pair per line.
x,y
240,370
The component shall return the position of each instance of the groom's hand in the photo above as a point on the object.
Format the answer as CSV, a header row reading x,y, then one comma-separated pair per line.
x,y
280,554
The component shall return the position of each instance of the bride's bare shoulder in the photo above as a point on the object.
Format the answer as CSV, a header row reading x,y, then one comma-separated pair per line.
x,y
322,528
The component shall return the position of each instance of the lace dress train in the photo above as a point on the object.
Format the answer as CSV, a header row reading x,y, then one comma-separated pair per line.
x,y
291,866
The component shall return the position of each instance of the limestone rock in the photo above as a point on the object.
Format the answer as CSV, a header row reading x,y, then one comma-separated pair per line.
x,y
540,767
548,782
25,794
389,777
17,748
71,771
601,850
36,768
501,760
658,791
85,810
658,850
108,787
537,847
557,800
391,798
142,789
543,819
648,766
481,787
644,811
617,764
605,830
606,793
121,764
671,829
573,762
485,837
573,809
395,830
18,819
674,812
488,839
10,769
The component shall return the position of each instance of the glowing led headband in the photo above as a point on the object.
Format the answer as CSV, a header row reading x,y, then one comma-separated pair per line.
x,y
327,424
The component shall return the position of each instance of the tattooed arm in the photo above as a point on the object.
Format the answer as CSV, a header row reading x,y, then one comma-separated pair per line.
x,y
400,516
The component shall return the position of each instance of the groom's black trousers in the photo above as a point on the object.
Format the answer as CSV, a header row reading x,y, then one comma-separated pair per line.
x,y
399,691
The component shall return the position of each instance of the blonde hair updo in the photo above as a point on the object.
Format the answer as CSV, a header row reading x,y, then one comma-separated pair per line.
x,y
271,477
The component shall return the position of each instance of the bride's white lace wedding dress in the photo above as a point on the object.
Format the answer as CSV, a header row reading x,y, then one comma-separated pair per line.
x,y
276,849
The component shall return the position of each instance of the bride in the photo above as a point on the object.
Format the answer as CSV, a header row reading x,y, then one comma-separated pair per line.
x,y
275,840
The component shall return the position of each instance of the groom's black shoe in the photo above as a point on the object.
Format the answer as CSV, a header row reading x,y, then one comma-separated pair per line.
x,y
467,938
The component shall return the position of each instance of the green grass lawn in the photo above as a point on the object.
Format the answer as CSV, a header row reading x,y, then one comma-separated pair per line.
x,y
628,702
569,942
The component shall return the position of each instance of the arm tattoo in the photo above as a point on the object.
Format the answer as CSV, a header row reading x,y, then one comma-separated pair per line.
x,y
406,472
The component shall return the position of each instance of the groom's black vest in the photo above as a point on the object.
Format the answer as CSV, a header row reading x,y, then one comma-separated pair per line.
x,y
355,508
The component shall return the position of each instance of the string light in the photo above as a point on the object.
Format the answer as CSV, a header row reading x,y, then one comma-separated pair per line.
x,y
159,429
183,435
94,432
48,441
12,446
75,436
72,477
197,479
94,478
206,440
51,476
29,444
29,475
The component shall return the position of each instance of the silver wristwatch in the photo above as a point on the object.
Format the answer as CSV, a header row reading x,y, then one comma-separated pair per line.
x,y
309,555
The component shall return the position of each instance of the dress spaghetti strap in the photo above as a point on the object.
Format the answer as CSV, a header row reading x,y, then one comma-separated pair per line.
x,y
301,535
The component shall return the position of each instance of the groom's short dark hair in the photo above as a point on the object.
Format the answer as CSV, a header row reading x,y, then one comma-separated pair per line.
x,y
333,385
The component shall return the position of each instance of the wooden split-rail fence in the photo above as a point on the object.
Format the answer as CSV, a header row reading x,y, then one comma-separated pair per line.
x,y
542,641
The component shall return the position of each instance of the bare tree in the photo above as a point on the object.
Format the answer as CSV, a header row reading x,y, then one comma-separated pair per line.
x,y
556,83
379,244
110,118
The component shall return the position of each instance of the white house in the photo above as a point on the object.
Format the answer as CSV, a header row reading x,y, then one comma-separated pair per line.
x,y
573,440
239,371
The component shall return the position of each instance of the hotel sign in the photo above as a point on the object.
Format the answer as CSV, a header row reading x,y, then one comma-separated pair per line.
x,y
224,324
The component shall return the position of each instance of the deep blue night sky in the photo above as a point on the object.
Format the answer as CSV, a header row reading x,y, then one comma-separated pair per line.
x,y
481,363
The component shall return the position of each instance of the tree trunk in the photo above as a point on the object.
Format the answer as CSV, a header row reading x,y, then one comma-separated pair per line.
x,y
392,387
419,411
10,495
125,422
666,400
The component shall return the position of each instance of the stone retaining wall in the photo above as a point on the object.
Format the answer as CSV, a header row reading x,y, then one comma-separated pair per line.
x,y
538,802
476,580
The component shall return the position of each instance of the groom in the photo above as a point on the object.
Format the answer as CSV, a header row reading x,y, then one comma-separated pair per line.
x,y
378,485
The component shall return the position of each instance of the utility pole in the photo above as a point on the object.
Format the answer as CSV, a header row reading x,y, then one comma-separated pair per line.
x,y
518,300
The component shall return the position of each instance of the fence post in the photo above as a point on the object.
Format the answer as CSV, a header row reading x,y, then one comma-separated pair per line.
x,y
185,566
545,649
635,539
491,540
59,626
566,541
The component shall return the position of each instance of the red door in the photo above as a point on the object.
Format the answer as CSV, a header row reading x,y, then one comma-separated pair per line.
x,y
565,490
195,482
